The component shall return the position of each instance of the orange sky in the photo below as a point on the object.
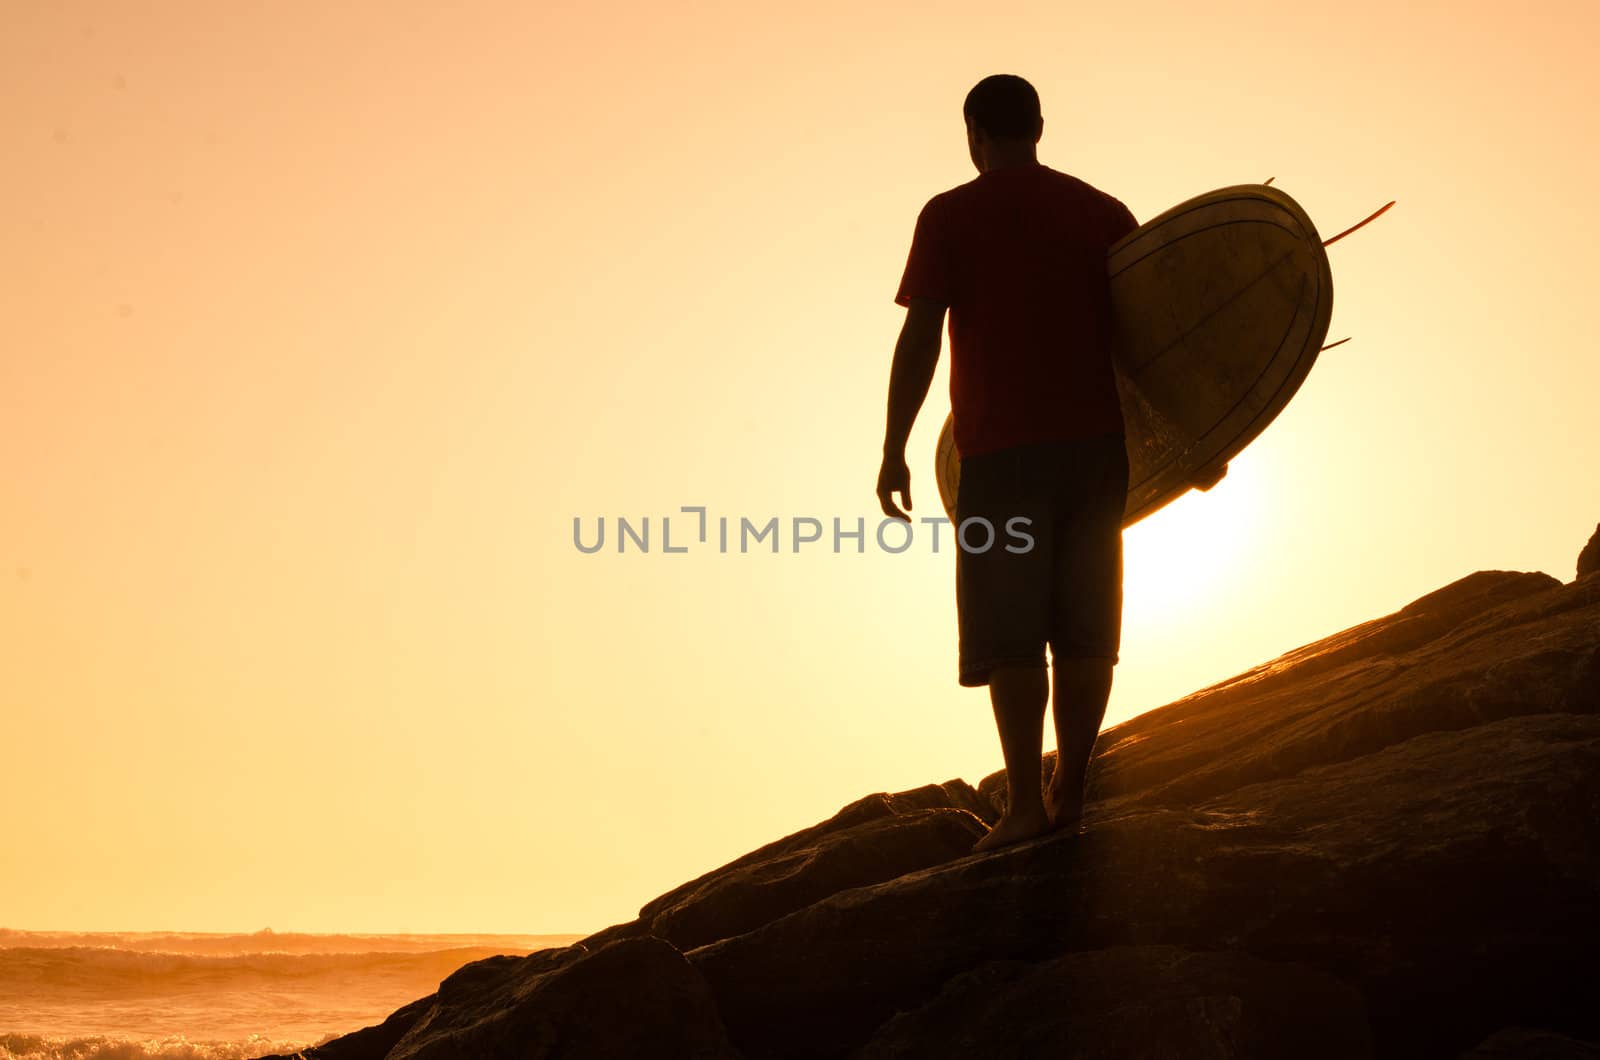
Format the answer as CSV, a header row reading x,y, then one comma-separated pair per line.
x,y
318,327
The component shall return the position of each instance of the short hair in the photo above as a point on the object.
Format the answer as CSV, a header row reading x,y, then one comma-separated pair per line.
x,y
1004,106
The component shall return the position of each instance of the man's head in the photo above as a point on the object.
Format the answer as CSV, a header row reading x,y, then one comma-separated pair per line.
x,y
1003,122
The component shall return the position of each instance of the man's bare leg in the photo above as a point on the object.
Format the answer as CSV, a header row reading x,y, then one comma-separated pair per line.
x,y
1082,687
1019,695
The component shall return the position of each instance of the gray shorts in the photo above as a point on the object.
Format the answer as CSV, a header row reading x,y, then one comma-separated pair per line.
x,y
1053,571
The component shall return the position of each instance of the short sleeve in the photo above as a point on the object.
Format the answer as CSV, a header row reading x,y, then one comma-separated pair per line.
x,y
928,266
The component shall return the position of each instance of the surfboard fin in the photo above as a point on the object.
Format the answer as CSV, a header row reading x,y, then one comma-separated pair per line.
x,y
1379,212
1341,342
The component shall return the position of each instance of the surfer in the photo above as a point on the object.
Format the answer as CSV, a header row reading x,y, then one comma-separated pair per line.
x,y
1017,256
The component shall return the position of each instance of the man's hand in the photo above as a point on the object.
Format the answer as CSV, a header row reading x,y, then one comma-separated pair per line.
x,y
894,477
915,356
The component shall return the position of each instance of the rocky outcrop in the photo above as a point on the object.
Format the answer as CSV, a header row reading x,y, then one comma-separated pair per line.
x,y
875,838
1589,558
1386,843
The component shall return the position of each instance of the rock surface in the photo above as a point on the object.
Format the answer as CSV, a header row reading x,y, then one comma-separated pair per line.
x,y
632,997
1386,843
1132,1003
1519,1043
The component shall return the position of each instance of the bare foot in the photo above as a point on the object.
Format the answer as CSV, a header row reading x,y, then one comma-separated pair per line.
x,y
1063,804
1013,829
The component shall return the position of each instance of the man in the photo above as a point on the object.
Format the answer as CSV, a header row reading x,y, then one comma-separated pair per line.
x,y
1018,255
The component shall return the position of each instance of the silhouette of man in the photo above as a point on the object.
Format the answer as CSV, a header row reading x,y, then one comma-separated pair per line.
x,y
1018,256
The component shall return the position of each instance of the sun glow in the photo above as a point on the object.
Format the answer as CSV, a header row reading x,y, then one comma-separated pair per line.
x,y
1185,557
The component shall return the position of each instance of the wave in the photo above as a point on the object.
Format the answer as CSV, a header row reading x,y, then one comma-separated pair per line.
x,y
269,941
102,1047
80,972
106,996
62,966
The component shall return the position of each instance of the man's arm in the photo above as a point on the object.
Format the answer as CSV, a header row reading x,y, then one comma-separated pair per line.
x,y
916,355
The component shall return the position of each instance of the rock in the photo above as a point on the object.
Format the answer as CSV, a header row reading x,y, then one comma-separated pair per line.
x,y
1492,645
1133,1003
874,838
953,794
1589,558
369,1043
632,997
1451,895
1399,825
749,896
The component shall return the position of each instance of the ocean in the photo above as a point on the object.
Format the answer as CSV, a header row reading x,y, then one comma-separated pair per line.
x,y
197,996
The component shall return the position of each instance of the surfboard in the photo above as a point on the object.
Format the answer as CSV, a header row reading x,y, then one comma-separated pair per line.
x,y
1222,304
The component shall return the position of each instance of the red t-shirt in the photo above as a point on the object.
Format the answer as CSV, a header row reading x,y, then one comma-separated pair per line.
x,y
1019,256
